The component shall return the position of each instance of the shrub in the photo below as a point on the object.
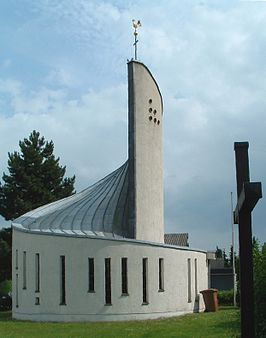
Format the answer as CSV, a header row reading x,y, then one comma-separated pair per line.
x,y
5,303
5,295
226,297
5,287
259,261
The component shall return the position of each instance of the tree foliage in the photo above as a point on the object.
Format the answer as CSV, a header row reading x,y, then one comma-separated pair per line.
x,y
6,235
218,253
259,268
35,178
5,254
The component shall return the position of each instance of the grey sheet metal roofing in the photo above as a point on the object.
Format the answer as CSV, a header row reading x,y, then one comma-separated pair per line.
x,y
101,210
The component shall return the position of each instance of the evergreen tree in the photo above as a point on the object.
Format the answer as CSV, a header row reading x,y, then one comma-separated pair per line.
x,y
218,253
5,254
6,257
35,178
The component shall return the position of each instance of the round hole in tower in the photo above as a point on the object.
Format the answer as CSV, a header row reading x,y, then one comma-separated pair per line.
x,y
155,120
150,118
155,111
150,101
150,110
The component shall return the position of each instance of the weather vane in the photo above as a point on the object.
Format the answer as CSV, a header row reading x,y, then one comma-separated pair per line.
x,y
136,25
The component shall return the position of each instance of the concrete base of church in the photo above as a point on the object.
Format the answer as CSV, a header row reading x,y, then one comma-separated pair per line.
x,y
97,317
184,275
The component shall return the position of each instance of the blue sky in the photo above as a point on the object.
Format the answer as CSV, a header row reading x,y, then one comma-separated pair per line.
x,y
63,73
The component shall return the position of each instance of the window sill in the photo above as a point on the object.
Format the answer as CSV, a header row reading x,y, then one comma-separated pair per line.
x,y
145,303
161,290
108,304
124,294
62,304
91,291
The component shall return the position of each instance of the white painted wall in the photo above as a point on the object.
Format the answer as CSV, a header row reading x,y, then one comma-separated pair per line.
x,y
81,305
145,154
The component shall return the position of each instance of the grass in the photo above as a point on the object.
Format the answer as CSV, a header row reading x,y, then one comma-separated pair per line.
x,y
224,323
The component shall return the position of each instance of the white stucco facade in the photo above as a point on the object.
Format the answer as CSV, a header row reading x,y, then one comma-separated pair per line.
x,y
82,305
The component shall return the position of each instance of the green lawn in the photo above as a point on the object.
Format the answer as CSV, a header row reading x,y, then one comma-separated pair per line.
x,y
224,323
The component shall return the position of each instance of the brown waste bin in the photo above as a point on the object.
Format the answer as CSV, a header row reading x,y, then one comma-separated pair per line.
x,y
210,297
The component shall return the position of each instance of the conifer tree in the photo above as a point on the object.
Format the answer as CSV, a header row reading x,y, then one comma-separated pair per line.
x,y
35,178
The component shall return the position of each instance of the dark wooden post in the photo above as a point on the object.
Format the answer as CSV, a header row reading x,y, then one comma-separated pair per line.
x,y
248,195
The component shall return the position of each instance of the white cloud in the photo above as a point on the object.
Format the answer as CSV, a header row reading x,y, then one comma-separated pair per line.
x,y
59,77
79,128
10,87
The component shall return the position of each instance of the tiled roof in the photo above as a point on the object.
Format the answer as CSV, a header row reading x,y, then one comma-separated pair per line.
x,y
176,239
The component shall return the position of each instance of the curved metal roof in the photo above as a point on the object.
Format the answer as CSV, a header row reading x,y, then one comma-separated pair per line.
x,y
101,210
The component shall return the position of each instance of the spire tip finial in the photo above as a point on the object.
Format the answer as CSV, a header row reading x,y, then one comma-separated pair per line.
x,y
136,24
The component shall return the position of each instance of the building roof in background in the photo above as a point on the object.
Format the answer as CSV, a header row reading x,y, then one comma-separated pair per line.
x,y
176,239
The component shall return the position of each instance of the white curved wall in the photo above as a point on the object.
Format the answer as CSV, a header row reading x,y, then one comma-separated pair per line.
x,y
81,305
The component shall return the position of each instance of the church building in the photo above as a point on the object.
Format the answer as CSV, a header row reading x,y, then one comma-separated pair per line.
x,y
101,254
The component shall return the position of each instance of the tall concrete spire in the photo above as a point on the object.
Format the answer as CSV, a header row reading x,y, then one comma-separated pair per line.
x,y
145,110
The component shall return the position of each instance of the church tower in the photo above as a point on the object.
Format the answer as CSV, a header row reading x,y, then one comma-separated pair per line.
x,y
127,203
145,117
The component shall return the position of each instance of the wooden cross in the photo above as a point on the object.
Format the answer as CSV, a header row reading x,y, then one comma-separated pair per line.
x,y
248,194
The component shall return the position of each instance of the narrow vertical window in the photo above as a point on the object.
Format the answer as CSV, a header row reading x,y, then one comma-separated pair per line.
x,y
108,294
16,290
37,272
124,276
16,260
24,270
62,280
145,280
196,277
161,274
189,279
91,274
